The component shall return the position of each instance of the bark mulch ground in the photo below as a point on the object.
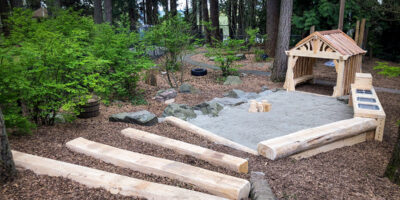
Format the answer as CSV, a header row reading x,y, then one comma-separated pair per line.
x,y
348,173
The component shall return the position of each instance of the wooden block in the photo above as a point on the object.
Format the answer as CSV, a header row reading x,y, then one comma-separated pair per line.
x,y
114,183
266,105
329,147
260,107
215,183
314,137
217,158
253,106
207,134
363,81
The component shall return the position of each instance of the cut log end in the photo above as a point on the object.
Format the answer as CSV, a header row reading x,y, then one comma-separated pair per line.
x,y
244,167
266,151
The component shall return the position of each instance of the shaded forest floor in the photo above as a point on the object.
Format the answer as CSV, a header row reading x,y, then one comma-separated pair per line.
x,y
354,172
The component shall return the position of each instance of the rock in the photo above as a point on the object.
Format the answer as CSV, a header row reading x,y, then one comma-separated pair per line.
x,y
187,88
169,101
59,118
209,108
212,58
233,80
163,95
227,101
180,111
144,118
235,94
344,99
252,95
264,88
260,188
240,56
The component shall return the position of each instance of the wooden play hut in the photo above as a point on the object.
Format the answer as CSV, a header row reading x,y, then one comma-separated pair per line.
x,y
334,45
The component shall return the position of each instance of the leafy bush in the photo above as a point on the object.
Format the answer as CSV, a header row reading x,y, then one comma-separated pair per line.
x,y
57,63
387,70
174,36
225,55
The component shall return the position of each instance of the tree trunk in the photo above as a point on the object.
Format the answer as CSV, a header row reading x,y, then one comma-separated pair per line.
x,y
234,17
108,10
16,3
187,11
149,12
206,19
155,12
229,15
241,21
4,12
132,12
7,166
280,61
252,17
393,168
272,26
194,16
173,7
214,13
164,4
98,13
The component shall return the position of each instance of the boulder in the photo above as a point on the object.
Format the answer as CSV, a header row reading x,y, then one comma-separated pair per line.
x,y
144,118
233,80
181,111
212,58
209,108
344,99
260,188
163,95
235,94
227,101
264,88
240,56
187,88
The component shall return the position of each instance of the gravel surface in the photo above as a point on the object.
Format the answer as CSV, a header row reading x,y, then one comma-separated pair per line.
x,y
348,173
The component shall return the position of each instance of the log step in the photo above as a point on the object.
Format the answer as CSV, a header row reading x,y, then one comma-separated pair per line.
x,y
207,134
215,183
219,159
314,137
114,183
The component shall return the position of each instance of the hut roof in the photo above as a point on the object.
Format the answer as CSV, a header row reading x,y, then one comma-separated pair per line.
x,y
39,13
337,40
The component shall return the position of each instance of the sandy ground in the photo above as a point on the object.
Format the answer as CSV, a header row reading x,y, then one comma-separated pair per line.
x,y
348,173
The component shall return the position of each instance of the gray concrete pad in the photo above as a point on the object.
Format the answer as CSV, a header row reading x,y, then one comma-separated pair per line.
x,y
290,112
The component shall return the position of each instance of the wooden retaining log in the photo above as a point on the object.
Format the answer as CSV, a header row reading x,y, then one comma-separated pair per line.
x,y
207,134
114,183
213,182
314,137
217,158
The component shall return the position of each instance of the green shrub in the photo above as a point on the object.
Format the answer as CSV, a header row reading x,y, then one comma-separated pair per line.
x,y
225,55
174,36
57,63
387,70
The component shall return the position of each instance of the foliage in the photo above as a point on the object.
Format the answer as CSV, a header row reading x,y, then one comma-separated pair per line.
x,y
225,55
57,63
387,70
174,36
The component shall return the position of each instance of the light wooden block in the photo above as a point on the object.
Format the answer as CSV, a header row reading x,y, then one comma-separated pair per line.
x,y
363,81
266,106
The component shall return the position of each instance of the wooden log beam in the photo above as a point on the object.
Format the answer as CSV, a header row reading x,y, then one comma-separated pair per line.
x,y
314,137
302,79
207,134
114,183
217,158
215,183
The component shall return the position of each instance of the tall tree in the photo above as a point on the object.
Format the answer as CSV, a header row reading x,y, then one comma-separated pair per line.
x,y
108,10
149,12
234,17
133,14
241,20
4,12
206,18
252,13
16,3
272,26
173,6
214,13
98,12
280,61
164,4
7,166
194,15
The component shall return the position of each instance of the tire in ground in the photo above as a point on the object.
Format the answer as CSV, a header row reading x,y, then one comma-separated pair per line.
x,y
199,72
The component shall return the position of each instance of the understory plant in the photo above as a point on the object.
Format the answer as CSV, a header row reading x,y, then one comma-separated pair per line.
x,y
173,35
56,64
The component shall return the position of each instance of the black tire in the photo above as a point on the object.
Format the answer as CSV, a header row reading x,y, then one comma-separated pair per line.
x,y
199,72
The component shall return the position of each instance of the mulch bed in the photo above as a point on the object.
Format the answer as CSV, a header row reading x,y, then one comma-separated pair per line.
x,y
348,173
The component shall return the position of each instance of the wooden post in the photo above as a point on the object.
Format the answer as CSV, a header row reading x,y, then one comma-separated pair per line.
x,y
361,36
341,14
357,31
289,82
312,29
338,90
